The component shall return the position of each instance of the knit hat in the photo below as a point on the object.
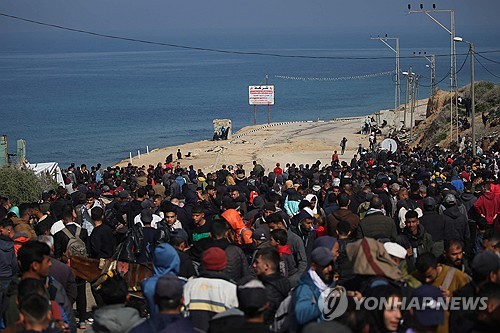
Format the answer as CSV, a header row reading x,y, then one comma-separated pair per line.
x,y
214,259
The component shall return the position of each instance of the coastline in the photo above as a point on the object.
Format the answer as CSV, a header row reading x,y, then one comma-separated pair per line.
x,y
285,142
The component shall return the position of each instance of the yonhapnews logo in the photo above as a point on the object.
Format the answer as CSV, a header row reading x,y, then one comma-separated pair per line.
x,y
334,304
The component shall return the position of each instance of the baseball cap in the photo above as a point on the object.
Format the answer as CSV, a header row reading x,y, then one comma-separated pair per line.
x,y
169,286
322,256
259,234
325,241
430,312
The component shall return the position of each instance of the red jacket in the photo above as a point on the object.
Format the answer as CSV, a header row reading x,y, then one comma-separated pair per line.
x,y
488,205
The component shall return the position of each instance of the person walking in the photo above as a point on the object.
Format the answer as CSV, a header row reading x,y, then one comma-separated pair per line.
x,y
343,144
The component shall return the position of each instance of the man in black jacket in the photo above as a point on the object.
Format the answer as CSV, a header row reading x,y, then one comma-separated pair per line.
x,y
456,225
434,225
237,263
266,267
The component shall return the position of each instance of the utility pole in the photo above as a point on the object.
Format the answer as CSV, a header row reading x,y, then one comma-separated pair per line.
x,y
431,58
395,49
472,92
268,105
473,98
453,59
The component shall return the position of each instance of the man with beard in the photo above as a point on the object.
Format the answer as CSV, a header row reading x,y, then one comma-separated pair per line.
x,y
312,285
453,256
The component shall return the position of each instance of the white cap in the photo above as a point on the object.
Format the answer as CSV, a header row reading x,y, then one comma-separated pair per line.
x,y
396,250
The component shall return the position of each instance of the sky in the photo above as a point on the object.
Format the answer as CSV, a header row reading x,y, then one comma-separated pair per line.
x,y
224,16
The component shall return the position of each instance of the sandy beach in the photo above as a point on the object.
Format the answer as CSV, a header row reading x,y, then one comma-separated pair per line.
x,y
286,142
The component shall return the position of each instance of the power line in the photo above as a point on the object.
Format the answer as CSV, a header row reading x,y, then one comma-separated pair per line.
x,y
486,69
344,78
496,62
187,47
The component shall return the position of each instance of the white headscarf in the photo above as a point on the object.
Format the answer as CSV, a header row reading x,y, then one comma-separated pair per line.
x,y
309,197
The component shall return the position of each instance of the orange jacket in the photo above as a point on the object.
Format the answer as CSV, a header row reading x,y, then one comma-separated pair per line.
x,y
243,234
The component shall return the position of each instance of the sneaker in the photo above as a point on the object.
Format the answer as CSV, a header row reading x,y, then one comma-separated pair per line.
x,y
90,320
82,325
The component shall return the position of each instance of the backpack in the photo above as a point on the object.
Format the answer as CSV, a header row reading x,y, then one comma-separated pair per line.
x,y
284,318
76,247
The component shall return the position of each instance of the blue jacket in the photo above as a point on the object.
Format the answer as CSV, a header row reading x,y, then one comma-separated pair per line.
x,y
306,300
165,261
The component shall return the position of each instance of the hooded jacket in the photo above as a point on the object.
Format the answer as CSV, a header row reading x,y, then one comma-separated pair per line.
x,y
488,205
243,234
22,226
165,261
8,260
456,225
116,318
433,224
468,199
342,215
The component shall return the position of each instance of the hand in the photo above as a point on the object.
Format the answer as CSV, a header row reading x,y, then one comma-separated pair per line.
x,y
356,294
445,292
409,252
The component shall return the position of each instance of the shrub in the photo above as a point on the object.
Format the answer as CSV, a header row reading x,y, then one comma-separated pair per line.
x,y
22,185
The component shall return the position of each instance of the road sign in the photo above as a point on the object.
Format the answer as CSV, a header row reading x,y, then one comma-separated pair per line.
x,y
261,95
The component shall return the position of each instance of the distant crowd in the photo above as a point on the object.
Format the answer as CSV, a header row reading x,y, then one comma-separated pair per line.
x,y
296,248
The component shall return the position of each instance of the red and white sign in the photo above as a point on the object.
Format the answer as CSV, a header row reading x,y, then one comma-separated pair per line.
x,y
261,95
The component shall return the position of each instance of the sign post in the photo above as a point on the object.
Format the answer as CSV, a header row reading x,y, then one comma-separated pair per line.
x,y
261,95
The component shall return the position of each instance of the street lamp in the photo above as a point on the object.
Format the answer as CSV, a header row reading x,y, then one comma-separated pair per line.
x,y
412,92
397,94
432,59
472,94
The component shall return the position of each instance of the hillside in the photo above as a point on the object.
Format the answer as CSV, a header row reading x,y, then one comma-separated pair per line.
x,y
435,128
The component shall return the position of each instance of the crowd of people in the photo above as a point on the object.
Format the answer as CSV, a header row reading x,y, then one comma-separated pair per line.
x,y
298,249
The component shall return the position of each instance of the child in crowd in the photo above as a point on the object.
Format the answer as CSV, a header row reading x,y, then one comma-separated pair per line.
x,y
279,240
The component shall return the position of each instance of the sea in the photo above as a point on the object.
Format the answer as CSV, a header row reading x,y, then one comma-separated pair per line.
x,y
86,99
